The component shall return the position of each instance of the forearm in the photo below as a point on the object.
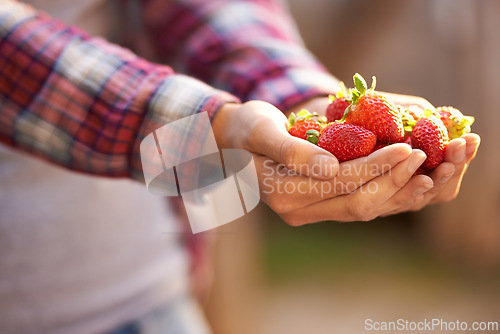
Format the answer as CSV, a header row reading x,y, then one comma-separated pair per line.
x,y
82,102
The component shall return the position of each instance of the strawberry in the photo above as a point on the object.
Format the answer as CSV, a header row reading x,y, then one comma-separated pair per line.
x,y
374,112
338,104
336,109
455,122
430,135
304,125
347,141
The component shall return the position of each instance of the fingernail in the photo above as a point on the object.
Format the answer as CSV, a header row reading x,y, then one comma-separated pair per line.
x,y
323,166
459,155
422,189
471,147
416,159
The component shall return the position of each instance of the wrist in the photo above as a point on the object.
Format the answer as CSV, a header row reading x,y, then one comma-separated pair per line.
x,y
224,125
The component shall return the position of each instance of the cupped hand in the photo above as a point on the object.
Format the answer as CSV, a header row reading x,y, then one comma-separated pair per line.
x,y
363,189
304,183
446,178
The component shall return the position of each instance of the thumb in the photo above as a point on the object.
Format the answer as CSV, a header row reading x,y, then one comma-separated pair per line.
x,y
294,153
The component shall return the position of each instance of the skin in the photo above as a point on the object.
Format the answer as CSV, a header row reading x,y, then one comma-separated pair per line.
x,y
303,190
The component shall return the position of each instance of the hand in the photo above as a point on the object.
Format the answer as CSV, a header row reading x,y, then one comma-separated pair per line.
x,y
302,189
260,128
446,179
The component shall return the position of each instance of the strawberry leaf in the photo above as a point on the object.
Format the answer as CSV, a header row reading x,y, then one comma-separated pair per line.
x,y
374,83
302,113
360,84
312,132
313,139
291,120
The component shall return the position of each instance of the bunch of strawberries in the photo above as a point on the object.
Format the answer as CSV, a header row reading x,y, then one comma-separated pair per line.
x,y
360,121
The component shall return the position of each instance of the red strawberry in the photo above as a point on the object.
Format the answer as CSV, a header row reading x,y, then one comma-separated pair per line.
x,y
347,141
336,109
304,124
431,136
338,104
455,122
374,112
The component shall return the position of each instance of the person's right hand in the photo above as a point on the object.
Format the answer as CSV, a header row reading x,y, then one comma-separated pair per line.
x,y
304,183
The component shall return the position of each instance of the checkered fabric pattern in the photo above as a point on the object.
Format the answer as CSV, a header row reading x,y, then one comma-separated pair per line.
x,y
86,104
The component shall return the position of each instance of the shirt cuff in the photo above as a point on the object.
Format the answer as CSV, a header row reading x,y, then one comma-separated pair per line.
x,y
177,97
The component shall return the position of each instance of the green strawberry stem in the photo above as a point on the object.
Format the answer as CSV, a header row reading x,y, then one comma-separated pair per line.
x,y
345,114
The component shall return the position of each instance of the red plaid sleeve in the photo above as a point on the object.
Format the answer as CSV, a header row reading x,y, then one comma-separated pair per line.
x,y
82,102
250,48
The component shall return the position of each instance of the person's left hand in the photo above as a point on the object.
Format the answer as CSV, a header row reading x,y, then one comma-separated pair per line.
x,y
447,177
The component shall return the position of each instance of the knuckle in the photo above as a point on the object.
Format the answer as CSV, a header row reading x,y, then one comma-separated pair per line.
x,y
362,211
398,181
403,200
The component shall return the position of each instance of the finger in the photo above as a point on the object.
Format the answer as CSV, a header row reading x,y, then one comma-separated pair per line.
x,y
409,196
472,141
285,190
363,204
299,191
445,188
354,173
296,154
449,178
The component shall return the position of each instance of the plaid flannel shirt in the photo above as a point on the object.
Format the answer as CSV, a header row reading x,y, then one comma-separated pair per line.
x,y
86,104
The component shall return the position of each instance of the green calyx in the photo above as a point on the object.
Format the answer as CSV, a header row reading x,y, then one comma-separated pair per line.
x,y
303,115
360,87
312,136
343,92
408,123
461,126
